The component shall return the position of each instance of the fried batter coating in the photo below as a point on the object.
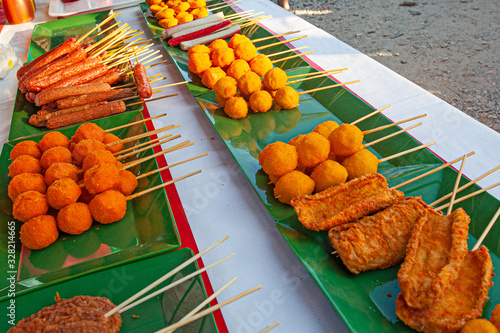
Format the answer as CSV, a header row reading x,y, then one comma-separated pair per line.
x,y
25,164
249,83
74,219
237,39
127,182
278,158
29,205
226,87
61,170
54,155
109,138
293,184
101,178
84,148
62,193
463,301
435,253
26,182
345,203
53,139
479,325
165,13
39,232
379,241
346,140
261,64
200,48
275,79
295,140
202,12
27,147
168,22
88,131
326,128
222,57
246,51
360,163
328,173
217,44
96,158
199,62
495,316
108,207
313,149
261,101
287,98
236,108
238,68
211,76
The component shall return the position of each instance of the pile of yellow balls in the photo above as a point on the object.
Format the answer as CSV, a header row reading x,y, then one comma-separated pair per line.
x,y
173,12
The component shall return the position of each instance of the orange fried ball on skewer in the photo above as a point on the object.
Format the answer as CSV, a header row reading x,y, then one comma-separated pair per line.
x,y
39,232
313,149
29,205
101,178
222,57
221,100
237,39
27,147
184,17
85,147
165,13
278,158
217,44
88,131
169,22
200,48
197,4
261,64
328,173
199,62
346,140
360,163
108,207
275,79
75,218
238,68
226,87
480,325
326,127
85,197
261,101
293,184
236,108
199,13
246,51
62,193
295,140
53,139
182,7
127,182
24,164
211,76
110,138
249,83
287,98
54,155
61,170
26,182
96,158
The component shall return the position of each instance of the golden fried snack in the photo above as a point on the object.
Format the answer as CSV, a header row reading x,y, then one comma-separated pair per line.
x,y
84,148
54,155
238,68
184,17
62,193
237,39
236,108
328,173
463,301
379,241
199,62
217,44
165,13
61,170
127,182
53,139
360,163
345,203
261,101
201,12
313,149
249,83
287,98
278,158
24,164
108,207
39,232
96,158
26,182
211,76
74,219
88,131
246,51
479,325
295,140
226,87
27,147
346,140
101,178
435,253
85,197
168,22
109,138
261,64
181,7
197,4
275,79
293,184
29,205
495,316
326,128
200,48
221,100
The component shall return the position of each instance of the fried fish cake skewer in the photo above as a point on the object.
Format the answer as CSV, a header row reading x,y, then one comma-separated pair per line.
x,y
379,241
462,302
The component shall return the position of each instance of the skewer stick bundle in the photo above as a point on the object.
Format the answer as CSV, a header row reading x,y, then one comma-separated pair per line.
x,y
457,181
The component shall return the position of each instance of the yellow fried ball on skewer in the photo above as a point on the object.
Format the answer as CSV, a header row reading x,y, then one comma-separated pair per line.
x,y
287,98
326,127
261,101
328,173
295,140
199,62
181,7
74,219
226,87
221,100
346,140
200,48
211,76
194,4
261,64
184,17
245,50
200,12
168,22
313,149
237,39
275,79
217,44
39,232
165,13
222,57
249,83
236,108
278,158
360,163
238,68
495,316
480,325
293,184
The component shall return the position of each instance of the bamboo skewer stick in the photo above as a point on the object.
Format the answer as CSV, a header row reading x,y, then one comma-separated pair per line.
x,y
151,145
393,124
152,65
103,31
152,99
292,56
406,152
140,136
286,51
465,197
270,327
316,73
117,39
110,36
176,283
130,50
134,123
274,36
135,195
141,145
241,14
128,47
155,58
171,85
370,115
169,166
109,18
238,20
431,172
390,135
165,277
310,77
461,188
279,43
487,230
181,145
218,4
457,181
224,6
147,57
255,21
328,87
208,311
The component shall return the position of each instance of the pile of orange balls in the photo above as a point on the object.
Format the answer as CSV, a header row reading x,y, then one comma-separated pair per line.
x,y
174,12
328,156
240,77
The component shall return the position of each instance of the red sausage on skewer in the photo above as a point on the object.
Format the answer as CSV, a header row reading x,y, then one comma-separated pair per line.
x,y
141,80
